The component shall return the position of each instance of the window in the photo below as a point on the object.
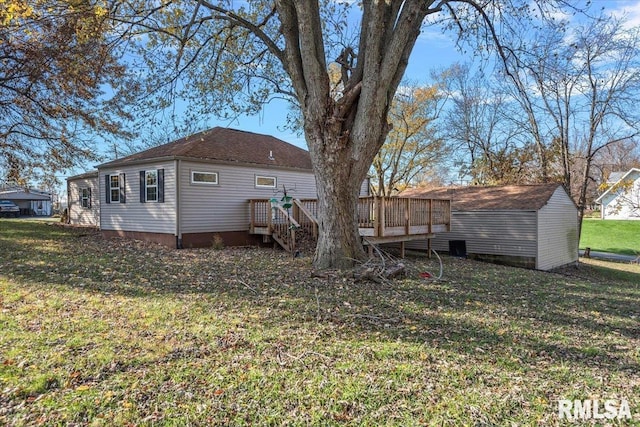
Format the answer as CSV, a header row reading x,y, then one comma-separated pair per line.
x,y
152,186
114,188
265,181
85,197
208,178
151,180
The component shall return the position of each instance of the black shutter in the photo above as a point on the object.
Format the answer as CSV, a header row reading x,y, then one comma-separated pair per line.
x,y
160,185
123,195
89,200
107,188
143,188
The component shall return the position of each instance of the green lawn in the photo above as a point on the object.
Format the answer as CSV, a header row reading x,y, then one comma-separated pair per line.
x,y
126,333
621,237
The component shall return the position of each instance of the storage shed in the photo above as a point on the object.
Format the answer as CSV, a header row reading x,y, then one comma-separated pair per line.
x,y
532,226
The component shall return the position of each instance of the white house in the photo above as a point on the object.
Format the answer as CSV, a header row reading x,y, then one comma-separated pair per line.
x,y
183,193
621,200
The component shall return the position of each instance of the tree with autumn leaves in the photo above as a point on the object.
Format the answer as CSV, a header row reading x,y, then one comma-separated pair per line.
x,y
59,82
415,145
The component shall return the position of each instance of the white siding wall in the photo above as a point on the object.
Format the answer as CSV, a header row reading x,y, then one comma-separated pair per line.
x,y
558,232
510,233
224,207
77,214
150,217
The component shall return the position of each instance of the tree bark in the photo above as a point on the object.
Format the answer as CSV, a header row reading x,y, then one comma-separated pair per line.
x,y
338,180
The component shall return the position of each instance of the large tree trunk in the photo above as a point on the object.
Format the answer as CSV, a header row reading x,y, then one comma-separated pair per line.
x,y
339,241
345,132
338,180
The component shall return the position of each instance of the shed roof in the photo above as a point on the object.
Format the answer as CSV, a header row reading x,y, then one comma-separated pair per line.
x,y
476,198
226,145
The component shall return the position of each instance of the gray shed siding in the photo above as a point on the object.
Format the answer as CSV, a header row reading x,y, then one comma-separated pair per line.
x,y
224,207
86,217
511,233
150,217
557,232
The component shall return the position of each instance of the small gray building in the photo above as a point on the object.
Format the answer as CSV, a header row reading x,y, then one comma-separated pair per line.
x,y
183,193
532,226
30,201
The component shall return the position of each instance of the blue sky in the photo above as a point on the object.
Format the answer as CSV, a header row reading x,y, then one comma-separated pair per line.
x,y
433,50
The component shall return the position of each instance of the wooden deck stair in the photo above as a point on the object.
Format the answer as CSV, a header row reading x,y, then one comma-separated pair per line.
x,y
380,219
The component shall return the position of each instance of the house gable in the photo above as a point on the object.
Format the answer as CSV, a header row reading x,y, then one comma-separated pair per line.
x,y
622,199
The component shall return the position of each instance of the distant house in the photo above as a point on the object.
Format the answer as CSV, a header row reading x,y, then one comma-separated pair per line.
x,y
30,201
183,193
532,226
621,199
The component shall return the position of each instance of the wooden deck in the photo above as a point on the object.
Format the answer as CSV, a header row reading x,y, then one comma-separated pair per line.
x,y
380,219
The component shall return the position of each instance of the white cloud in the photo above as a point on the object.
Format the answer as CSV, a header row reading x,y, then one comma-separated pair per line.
x,y
629,9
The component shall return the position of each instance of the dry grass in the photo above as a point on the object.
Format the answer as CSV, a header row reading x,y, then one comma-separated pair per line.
x,y
122,332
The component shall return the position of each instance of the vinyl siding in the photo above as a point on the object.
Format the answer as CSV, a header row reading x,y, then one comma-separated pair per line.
x,y
558,232
86,217
133,215
365,187
511,233
224,207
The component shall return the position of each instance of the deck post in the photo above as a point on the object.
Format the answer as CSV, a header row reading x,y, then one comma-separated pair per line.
x,y
373,212
295,212
252,208
402,249
292,245
381,214
429,248
407,218
430,214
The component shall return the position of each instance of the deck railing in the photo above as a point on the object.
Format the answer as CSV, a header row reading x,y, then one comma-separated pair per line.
x,y
377,216
397,216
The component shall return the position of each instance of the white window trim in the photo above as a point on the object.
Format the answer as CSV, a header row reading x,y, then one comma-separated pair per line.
x,y
111,188
193,172
147,186
83,198
275,182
